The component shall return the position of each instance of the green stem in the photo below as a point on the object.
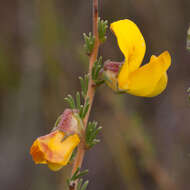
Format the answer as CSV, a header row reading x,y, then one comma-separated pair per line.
x,y
90,93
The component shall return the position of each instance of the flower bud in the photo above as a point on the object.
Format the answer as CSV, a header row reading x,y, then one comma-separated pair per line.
x,y
111,70
70,123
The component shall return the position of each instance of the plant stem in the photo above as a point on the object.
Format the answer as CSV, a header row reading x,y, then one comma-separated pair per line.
x,y
91,90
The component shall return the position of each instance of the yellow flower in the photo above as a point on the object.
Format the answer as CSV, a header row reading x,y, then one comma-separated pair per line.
x,y
54,149
148,80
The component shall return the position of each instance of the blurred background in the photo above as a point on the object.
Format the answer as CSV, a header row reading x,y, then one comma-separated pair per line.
x,y
145,143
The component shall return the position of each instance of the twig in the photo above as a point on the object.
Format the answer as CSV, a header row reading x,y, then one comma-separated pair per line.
x,y
91,90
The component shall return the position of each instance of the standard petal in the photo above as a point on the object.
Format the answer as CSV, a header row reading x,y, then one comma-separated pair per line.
x,y
131,43
150,79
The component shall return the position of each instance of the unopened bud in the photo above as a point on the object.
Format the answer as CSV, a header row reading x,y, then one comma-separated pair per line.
x,y
111,70
70,122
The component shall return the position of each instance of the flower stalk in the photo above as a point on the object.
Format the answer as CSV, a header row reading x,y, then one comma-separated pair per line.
x,y
90,93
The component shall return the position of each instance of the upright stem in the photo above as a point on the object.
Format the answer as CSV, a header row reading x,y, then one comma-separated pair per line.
x,y
91,89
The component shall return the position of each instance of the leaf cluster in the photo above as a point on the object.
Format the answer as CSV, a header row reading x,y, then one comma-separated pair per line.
x,y
96,71
91,133
77,176
77,103
89,41
102,27
84,85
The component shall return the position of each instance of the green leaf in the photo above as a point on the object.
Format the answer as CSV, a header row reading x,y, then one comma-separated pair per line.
x,y
84,85
89,42
85,109
79,184
75,174
91,132
78,174
81,174
102,27
78,101
84,186
99,82
96,70
81,110
86,80
69,99
73,155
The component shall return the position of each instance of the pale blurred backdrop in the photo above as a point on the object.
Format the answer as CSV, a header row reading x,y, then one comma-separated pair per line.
x,y
145,143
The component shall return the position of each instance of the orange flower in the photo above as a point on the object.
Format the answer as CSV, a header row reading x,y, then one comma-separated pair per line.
x,y
54,149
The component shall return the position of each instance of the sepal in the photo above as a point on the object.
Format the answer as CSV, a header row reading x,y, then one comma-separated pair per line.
x,y
110,74
69,122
